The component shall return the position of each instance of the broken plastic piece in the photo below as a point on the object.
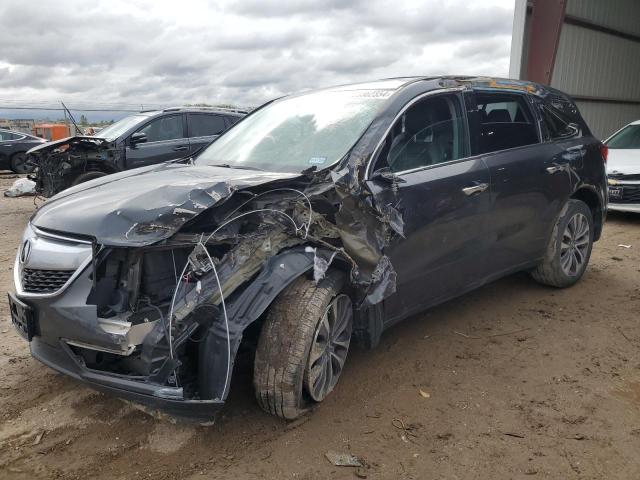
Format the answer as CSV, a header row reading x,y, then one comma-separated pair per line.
x,y
343,459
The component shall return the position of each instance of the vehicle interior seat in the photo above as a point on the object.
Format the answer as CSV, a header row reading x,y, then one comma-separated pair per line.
x,y
425,140
500,115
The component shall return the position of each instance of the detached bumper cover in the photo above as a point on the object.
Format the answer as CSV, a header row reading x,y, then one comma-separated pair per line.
x,y
61,358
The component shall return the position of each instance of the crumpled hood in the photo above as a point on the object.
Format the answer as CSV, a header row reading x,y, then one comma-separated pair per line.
x,y
623,161
143,206
48,146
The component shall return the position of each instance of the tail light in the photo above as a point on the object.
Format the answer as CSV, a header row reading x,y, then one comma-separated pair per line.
x,y
604,151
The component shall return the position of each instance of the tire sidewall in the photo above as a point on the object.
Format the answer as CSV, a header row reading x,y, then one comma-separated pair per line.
x,y
573,207
85,177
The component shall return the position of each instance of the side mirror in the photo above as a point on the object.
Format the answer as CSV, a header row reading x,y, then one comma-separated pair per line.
x,y
387,176
137,138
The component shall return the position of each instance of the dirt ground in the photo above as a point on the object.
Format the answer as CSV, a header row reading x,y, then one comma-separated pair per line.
x,y
517,380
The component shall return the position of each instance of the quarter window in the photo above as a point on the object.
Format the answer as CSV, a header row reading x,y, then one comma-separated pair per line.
x,y
505,122
428,133
201,125
164,128
554,125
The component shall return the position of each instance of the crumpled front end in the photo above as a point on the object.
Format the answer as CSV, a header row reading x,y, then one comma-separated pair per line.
x,y
60,163
160,321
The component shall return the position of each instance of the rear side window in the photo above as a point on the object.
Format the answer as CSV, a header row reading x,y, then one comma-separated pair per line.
x,y
202,125
429,133
555,125
4,136
505,122
164,128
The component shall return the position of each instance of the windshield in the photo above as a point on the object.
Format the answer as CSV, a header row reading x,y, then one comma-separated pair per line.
x,y
115,130
627,138
295,133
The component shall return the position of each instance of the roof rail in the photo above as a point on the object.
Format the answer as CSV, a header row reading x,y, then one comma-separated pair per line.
x,y
215,109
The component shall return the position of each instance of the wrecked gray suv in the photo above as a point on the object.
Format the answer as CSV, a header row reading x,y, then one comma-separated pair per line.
x,y
145,138
314,223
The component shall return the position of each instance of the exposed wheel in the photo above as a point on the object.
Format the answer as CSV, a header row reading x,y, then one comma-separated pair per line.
x,y
303,346
85,177
20,163
569,248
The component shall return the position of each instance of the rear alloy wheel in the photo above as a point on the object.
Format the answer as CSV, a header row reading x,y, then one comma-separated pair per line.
x,y
569,248
575,245
303,345
20,163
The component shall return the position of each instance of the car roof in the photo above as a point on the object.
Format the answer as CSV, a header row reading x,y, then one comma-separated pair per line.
x,y
446,81
232,112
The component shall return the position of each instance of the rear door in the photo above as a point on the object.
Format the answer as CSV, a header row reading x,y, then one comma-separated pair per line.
x,y
166,140
444,200
528,185
204,128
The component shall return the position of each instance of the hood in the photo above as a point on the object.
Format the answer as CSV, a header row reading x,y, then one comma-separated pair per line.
x,y
143,206
48,146
623,161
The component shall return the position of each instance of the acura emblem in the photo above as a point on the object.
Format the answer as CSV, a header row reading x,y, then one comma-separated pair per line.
x,y
25,252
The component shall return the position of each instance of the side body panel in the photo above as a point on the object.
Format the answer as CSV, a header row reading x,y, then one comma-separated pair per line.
x,y
446,236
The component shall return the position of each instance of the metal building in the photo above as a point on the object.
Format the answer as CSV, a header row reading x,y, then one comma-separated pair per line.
x,y
589,49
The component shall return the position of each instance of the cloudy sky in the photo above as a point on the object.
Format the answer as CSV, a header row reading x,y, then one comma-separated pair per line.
x,y
242,52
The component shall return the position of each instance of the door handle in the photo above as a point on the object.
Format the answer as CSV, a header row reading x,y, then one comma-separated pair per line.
x,y
555,168
480,187
181,148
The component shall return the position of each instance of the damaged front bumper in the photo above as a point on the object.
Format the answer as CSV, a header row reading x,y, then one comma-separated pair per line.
x,y
169,400
62,327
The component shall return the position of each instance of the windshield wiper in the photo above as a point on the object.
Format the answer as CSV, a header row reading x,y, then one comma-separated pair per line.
x,y
228,165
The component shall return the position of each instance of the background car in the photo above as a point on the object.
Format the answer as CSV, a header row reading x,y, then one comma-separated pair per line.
x,y
623,168
13,150
145,138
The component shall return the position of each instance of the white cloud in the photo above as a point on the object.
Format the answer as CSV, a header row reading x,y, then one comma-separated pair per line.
x,y
145,51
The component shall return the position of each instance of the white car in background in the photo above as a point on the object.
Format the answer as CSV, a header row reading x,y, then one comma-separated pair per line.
x,y
623,168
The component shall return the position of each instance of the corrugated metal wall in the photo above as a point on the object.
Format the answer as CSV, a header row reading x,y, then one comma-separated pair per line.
x,y
600,65
623,15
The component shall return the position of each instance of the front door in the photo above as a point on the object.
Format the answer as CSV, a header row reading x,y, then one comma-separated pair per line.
x,y
166,140
444,200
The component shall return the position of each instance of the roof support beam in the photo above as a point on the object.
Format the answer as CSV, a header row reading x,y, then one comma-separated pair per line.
x,y
546,23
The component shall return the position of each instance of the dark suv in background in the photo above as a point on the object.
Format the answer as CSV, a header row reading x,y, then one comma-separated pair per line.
x,y
139,140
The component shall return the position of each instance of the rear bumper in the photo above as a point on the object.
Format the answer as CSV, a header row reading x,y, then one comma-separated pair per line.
x,y
624,207
62,359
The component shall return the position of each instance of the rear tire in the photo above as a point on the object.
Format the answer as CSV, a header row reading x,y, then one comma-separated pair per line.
x,y
297,337
85,177
569,248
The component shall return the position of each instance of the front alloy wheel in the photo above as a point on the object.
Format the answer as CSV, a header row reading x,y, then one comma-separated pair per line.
x,y
329,348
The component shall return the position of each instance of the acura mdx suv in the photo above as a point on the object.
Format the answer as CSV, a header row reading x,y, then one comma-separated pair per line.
x,y
314,223
145,138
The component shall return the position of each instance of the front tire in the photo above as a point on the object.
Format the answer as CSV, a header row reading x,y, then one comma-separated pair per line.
x,y
569,248
303,346
20,163
85,177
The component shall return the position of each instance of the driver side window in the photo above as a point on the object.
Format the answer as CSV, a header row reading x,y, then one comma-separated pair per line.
x,y
428,133
164,128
